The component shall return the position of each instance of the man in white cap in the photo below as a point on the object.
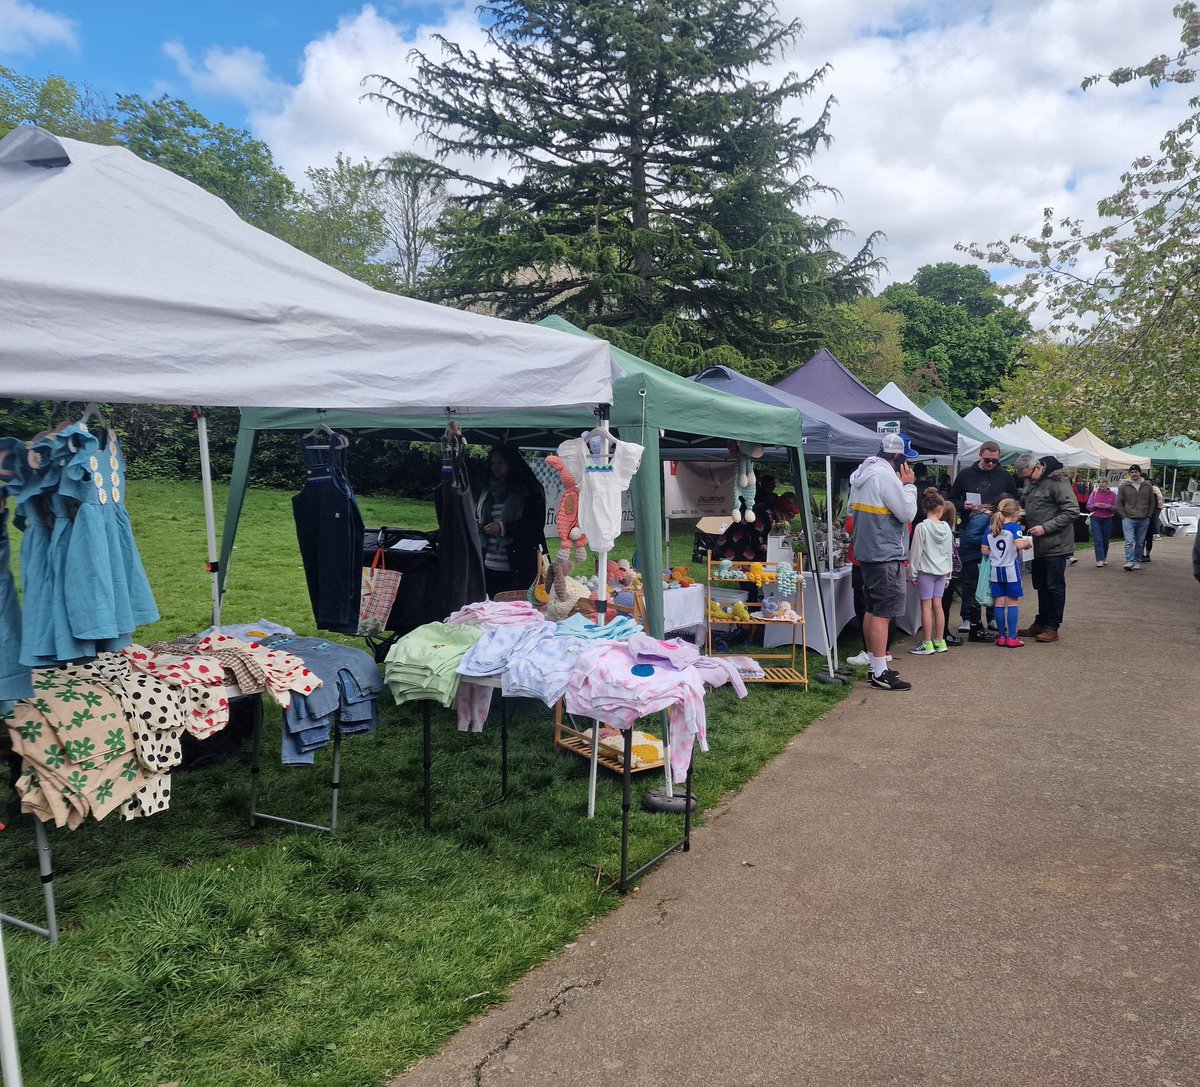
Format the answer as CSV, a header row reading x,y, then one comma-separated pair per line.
x,y
883,498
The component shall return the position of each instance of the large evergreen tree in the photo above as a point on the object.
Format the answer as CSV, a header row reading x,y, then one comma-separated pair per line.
x,y
646,175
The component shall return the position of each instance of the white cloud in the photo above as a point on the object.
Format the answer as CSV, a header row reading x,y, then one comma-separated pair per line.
x,y
240,74
956,120
325,112
25,28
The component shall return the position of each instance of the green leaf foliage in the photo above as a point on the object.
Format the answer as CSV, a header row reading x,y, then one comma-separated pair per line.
x,y
636,172
959,338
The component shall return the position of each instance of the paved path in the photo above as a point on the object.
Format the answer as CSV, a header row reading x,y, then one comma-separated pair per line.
x,y
989,880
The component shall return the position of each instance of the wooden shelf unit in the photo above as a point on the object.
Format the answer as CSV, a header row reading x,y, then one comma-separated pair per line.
x,y
569,738
789,672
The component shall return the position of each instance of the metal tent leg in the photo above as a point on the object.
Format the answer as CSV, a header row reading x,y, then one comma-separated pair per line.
x,y
10,1059
46,874
257,816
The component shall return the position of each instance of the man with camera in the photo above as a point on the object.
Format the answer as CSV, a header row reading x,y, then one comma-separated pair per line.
x,y
883,499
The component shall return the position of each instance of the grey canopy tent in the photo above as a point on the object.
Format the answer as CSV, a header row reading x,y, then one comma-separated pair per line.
x,y
824,380
650,406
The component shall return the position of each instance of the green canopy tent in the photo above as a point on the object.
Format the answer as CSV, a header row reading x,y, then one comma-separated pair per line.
x,y
652,407
947,416
1177,452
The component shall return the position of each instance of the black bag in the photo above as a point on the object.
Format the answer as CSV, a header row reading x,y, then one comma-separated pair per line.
x,y
702,544
418,600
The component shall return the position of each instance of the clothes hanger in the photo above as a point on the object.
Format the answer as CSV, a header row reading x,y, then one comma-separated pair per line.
x,y
321,430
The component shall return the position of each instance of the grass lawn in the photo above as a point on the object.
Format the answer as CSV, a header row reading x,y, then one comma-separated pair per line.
x,y
200,952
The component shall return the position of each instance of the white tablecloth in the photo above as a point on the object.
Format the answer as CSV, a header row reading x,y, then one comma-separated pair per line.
x,y
840,605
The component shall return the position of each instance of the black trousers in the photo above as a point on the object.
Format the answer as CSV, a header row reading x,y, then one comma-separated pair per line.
x,y
1050,581
329,530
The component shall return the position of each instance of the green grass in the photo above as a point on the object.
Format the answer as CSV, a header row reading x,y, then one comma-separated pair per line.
x,y
202,952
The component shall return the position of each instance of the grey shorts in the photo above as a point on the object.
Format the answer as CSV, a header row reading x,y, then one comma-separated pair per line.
x,y
883,588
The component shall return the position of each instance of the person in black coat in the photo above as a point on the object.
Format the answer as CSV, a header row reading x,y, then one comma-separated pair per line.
x,y
511,513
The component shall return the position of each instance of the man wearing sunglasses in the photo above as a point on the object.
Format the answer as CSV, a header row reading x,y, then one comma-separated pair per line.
x,y
987,483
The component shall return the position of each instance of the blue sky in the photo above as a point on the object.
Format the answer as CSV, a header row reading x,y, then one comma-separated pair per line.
x,y
955,120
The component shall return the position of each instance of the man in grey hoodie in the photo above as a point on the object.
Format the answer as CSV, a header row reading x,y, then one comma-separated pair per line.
x,y
1050,512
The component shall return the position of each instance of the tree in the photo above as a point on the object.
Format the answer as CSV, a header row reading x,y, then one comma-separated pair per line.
x,y
54,104
414,196
960,339
645,176
228,162
340,219
867,340
1125,296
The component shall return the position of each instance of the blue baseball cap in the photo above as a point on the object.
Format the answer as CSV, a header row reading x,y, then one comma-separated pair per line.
x,y
897,443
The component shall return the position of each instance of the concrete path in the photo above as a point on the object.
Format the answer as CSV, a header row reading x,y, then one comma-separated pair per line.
x,y
989,880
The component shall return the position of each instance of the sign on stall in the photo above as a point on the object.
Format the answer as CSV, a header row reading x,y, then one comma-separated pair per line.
x,y
697,488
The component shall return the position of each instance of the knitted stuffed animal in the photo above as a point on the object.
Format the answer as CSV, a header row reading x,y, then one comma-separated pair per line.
x,y
682,576
744,486
759,574
740,612
785,578
567,520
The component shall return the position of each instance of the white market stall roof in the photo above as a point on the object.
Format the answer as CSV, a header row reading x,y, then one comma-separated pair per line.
x,y
968,448
1027,433
1110,456
120,281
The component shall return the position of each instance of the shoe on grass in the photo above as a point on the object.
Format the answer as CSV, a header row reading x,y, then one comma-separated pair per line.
x,y
889,681
923,649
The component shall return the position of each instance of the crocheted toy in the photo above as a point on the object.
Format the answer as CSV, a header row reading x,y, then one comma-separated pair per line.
x,y
759,574
567,520
681,576
715,611
785,613
612,572
768,609
785,578
740,613
744,487
725,570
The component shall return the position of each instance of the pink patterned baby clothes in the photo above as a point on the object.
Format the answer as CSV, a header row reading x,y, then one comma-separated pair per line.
x,y
285,672
472,701
497,613
674,653
200,680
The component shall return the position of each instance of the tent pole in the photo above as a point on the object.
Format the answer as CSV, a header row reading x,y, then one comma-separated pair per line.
x,y
210,517
1174,480
829,556
800,472
10,1060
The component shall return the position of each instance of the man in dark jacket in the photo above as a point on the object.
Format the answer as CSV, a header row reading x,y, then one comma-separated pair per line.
x,y
1050,512
986,481
1196,557
1136,504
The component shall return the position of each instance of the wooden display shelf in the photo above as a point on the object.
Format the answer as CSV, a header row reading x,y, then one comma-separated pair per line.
x,y
572,739
795,671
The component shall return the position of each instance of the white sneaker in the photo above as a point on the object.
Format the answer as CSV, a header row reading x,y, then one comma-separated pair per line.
x,y
1099,564
862,659
964,627
1137,566
1072,561
1127,566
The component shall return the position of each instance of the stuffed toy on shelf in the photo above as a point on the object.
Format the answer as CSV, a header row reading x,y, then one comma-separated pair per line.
x,y
745,488
682,576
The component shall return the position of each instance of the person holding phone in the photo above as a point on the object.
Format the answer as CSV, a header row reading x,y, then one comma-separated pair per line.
x,y
883,498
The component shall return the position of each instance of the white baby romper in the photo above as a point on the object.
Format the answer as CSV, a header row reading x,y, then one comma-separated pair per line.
x,y
601,484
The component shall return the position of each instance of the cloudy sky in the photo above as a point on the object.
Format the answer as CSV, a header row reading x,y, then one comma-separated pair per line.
x,y
955,120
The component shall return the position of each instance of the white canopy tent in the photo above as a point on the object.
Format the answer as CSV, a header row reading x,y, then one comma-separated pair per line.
x,y
1110,456
1027,433
122,282
968,448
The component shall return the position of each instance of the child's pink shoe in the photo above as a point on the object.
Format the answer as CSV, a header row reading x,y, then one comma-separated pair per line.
x,y
1015,643
1003,642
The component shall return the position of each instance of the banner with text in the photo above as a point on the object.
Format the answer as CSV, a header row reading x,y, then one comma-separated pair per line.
x,y
697,488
